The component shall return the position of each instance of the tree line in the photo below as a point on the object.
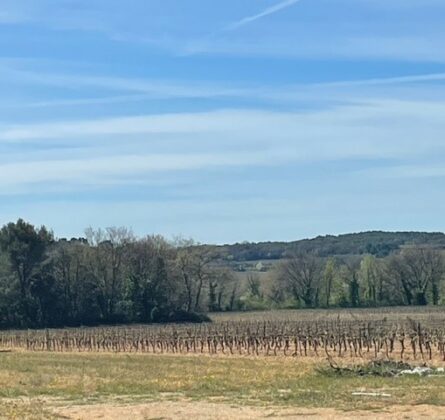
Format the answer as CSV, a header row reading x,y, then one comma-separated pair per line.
x,y
414,275
111,276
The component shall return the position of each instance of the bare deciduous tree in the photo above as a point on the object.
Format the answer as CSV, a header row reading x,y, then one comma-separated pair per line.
x,y
418,272
301,275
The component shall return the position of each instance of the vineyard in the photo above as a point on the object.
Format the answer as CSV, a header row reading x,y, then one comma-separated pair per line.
x,y
397,334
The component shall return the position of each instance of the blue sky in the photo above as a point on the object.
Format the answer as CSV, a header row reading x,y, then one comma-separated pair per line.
x,y
223,120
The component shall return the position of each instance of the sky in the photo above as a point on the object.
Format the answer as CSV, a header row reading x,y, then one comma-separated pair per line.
x,y
224,121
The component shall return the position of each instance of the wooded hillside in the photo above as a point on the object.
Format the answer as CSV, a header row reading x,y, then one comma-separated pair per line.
x,y
377,243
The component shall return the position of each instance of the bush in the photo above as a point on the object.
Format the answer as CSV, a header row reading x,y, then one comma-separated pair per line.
x,y
184,316
383,368
252,303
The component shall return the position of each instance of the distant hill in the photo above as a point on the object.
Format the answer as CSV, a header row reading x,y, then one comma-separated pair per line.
x,y
377,243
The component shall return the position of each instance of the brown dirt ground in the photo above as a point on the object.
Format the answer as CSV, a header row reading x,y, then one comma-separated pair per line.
x,y
200,410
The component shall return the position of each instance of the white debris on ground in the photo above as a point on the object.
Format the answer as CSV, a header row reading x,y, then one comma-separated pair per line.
x,y
417,371
284,391
423,371
371,394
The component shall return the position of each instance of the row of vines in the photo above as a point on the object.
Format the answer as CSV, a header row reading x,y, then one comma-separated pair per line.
x,y
406,339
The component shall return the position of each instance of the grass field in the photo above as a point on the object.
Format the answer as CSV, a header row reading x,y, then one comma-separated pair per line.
x,y
390,314
45,385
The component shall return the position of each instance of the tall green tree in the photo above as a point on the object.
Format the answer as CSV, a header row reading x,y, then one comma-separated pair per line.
x,y
370,280
149,290
329,274
26,248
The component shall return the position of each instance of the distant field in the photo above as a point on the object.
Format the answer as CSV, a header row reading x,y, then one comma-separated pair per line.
x,y
396,314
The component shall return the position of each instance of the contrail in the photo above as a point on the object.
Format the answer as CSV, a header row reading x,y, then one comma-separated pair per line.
x,y
431,77
266,12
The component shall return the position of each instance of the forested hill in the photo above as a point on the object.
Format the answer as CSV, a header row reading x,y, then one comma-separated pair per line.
x,y
377,243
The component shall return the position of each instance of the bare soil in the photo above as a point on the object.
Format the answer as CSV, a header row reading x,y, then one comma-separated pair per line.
x,y
200,410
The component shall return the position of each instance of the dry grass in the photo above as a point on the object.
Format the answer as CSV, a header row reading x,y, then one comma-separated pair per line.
x,y
31,409
88,378
423,314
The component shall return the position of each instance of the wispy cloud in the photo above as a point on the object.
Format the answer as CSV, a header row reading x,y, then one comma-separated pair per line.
x,y
378,129
161,123
153,87
111,169
269,11
432,77
142,89
107,100
416,171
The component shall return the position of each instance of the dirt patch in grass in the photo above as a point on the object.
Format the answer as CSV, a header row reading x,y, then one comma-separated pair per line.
x,y
201,410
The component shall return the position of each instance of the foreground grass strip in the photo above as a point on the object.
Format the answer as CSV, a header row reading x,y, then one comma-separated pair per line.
x,y
25,409
263,381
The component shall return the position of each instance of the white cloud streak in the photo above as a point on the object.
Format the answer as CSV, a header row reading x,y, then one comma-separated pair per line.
x,y
154,88
269,11
152,124
146,89
417,171
107,170
390,116
433,77
107,100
